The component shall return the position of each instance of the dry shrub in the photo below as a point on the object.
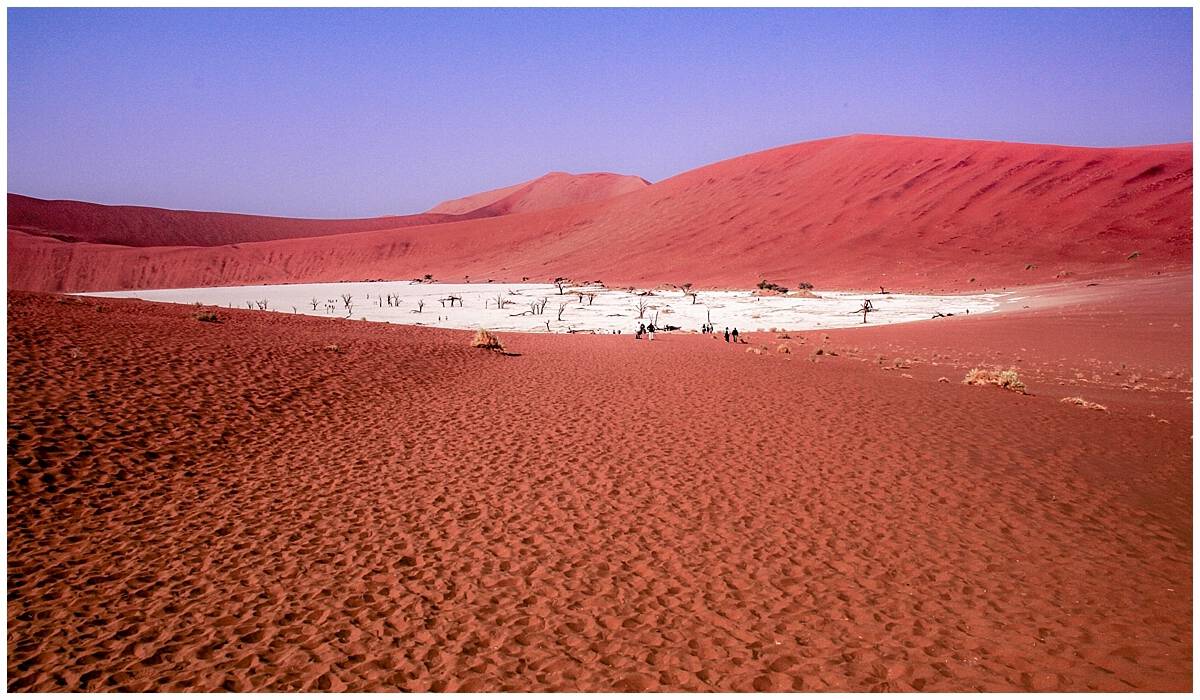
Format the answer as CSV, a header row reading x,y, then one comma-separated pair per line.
x,y
207,317
1080,401
486,340
1003,378
784,349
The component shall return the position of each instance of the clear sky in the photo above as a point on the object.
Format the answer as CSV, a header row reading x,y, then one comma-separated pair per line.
x,y
333,113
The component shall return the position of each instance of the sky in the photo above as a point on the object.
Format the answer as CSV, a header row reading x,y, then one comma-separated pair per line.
x,y
347,113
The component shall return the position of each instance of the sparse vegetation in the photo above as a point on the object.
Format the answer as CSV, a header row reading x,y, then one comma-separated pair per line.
x,y
207,316
486,340
1080,401
772,287
806,286
1005,379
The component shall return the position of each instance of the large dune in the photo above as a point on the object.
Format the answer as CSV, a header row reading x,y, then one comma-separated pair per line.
x,y
550,191
857,211
70,221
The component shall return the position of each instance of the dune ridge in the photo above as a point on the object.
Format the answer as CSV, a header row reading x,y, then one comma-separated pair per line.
x,y
550,191
70,221
850,212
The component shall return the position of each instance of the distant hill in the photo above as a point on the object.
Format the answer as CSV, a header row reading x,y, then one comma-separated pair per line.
x,y
549,191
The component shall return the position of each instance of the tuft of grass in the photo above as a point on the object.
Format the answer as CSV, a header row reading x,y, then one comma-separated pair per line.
x,y
207,316
487,340
1003,378
1080,401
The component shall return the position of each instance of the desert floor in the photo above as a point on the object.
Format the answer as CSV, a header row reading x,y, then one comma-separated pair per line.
x,y
278,502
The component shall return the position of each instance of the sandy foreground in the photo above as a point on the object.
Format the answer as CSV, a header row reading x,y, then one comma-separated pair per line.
x,y
279,502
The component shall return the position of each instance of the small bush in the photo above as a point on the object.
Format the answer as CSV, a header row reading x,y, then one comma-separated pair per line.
x,y
784,349
486,340
763,284
1080,401
1005,379
208,317
806,286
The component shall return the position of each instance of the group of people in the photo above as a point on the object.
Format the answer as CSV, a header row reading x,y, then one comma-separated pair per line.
x,y
648,331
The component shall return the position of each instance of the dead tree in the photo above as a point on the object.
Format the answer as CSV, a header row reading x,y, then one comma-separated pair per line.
x,y
561,307
561,283
547,325
590,297
641,307
314,304
421,305
692,295
346,300
865,309
250,305
261,304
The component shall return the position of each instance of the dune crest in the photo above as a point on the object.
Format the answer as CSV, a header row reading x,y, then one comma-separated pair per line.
x,y
550,191
850,212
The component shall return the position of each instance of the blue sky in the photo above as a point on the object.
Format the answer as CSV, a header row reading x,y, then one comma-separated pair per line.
x,y
333,113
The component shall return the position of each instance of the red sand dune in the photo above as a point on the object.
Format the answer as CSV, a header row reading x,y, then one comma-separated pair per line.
x,y
70,221
549,191
907,213
278,502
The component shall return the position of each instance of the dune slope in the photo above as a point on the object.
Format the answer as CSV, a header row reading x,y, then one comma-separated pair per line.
x,y
70,222
857,211
549,191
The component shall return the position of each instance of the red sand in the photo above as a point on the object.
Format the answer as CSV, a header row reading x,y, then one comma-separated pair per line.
x,y
69,222
198,506
549,191
907,213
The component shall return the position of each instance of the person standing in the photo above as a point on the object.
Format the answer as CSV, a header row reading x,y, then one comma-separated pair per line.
x,y
650,331
735,335
726,334
641,329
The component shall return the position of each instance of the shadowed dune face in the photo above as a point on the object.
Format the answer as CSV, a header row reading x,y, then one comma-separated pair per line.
x,y
73,222
275,502
909,213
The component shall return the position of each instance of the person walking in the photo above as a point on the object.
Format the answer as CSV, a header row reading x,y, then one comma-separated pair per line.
x,y
726,334
735,335
650,331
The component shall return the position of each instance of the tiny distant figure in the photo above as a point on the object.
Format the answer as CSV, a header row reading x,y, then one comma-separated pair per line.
x,y
726,334
735,335
650,331
641,329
